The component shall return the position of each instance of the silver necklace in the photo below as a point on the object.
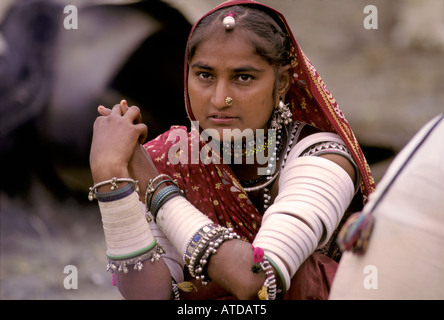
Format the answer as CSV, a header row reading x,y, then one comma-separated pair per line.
x,y
294,133
270,178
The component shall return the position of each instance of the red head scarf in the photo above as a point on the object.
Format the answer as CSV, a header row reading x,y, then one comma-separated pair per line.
x,y
311,100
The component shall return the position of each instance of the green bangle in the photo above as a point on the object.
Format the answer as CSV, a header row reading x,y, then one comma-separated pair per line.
x,y
279,272
132,254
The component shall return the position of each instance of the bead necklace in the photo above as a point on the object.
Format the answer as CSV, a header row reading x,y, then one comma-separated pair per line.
x,y
267,195
278,148
247,148
271,178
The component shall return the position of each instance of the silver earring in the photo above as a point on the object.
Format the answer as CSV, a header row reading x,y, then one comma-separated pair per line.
x,y
281,115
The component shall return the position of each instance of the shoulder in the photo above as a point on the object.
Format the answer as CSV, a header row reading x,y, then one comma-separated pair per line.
x,y
308,140
312,142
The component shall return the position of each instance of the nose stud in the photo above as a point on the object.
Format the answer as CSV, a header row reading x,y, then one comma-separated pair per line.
x,y
228,101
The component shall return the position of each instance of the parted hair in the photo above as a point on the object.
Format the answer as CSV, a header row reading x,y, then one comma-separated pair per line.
x,y
267,36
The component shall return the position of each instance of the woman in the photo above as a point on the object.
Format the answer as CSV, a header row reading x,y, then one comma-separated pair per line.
x,y
230,225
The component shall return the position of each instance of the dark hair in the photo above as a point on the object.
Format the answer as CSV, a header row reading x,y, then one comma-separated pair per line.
x,y
270,41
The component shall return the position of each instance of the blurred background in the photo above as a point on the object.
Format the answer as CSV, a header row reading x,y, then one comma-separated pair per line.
x,y
388,81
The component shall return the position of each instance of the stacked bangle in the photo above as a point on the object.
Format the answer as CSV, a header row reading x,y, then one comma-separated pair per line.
x,y
114,194
163,196
151,188
120,263
153,204
202,245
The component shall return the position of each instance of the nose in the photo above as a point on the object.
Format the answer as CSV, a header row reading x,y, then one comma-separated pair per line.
x,y
220,93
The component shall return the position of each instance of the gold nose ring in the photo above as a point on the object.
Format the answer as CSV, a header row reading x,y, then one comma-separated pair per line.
x,y
228,101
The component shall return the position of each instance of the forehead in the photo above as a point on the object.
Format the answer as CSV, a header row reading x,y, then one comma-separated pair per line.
x,y
228,49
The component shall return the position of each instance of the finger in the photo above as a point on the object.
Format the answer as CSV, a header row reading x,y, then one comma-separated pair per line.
x,y
123,106
143,130
134,114
117,110
103,111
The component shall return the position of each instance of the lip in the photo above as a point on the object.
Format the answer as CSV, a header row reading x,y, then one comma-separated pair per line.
x,y
222,118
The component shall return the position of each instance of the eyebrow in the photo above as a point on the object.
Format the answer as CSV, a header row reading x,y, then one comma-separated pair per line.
x,y
201,65
241,69
247,69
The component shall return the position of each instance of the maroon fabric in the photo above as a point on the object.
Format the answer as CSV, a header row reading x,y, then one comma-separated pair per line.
x,y
313,279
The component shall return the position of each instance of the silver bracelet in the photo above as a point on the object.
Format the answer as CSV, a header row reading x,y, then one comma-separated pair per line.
x,y
120,265
113,182
202,245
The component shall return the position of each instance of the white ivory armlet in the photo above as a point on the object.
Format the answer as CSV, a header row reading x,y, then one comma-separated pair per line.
x,y
313,195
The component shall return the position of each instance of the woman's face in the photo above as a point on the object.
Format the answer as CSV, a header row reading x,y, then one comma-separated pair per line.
x,y
226,65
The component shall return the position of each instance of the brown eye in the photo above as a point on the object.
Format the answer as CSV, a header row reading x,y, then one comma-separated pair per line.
x,y
245,77
203,75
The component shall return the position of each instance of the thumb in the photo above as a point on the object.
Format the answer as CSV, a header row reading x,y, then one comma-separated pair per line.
x,y
103,111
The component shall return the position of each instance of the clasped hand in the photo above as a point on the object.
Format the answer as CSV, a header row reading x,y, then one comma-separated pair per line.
x,y
116,134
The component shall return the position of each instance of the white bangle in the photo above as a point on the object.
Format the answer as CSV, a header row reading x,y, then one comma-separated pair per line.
x,y
180,220
126,230
313,196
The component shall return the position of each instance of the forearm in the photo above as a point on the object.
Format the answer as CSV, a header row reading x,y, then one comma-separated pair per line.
x,y
132,250
231,269
134,254
212,251
153,282
142,169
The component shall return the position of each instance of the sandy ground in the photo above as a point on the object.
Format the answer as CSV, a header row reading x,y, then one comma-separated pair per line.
x,y
40,237
388,89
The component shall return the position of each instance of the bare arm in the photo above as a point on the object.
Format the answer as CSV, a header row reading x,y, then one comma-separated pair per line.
x,y
115,152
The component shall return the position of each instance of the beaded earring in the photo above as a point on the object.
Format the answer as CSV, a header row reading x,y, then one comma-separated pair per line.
x,y
281,115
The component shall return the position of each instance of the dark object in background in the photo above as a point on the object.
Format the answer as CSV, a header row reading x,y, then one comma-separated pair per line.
x,y
53,79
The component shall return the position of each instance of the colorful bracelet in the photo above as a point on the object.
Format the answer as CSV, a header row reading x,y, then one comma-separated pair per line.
x,y
269,289
261,264
115,194
150,194
151,188
113,182
163,196
202,245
